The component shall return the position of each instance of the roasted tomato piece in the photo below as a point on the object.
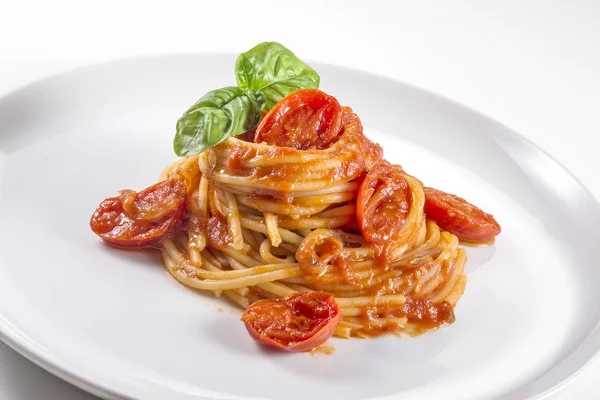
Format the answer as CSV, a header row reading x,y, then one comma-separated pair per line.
x,y
383,203
304,119
140,219
299,322
459,217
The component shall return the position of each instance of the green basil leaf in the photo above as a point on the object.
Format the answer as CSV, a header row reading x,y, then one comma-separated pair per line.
x,y
275,71
219,114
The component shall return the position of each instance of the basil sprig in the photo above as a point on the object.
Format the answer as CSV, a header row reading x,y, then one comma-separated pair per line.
x,y
275,71
265,74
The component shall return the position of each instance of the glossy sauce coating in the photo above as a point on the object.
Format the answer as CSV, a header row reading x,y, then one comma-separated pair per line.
x,y
218,232
422,314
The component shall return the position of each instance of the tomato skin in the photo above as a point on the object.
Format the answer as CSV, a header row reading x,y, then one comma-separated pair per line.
x,y
140,220
383,203
459,217
299,322
304,119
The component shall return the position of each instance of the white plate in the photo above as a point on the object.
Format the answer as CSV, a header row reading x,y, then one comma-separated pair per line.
x,y
115,323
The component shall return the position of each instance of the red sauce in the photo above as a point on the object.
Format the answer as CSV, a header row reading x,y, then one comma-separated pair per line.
x,y
261,195
237,156
428,314
319,250
420,313
197,224
217,231
383,254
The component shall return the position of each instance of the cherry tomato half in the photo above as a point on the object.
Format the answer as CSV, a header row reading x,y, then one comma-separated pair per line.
x,y
136,220
304,119
459,217
383,203
299,322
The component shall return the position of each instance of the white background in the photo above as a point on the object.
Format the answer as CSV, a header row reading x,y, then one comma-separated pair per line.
x,y
533,65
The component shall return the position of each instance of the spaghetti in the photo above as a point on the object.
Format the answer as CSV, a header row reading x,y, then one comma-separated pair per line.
x,y
267,221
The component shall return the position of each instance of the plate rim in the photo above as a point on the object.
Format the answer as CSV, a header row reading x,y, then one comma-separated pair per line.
x,y
94,384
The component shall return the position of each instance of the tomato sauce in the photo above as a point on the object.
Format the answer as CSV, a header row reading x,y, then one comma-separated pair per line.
x,y
197,224
426,313
319,250
236,159
270,195
217,231
422,315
